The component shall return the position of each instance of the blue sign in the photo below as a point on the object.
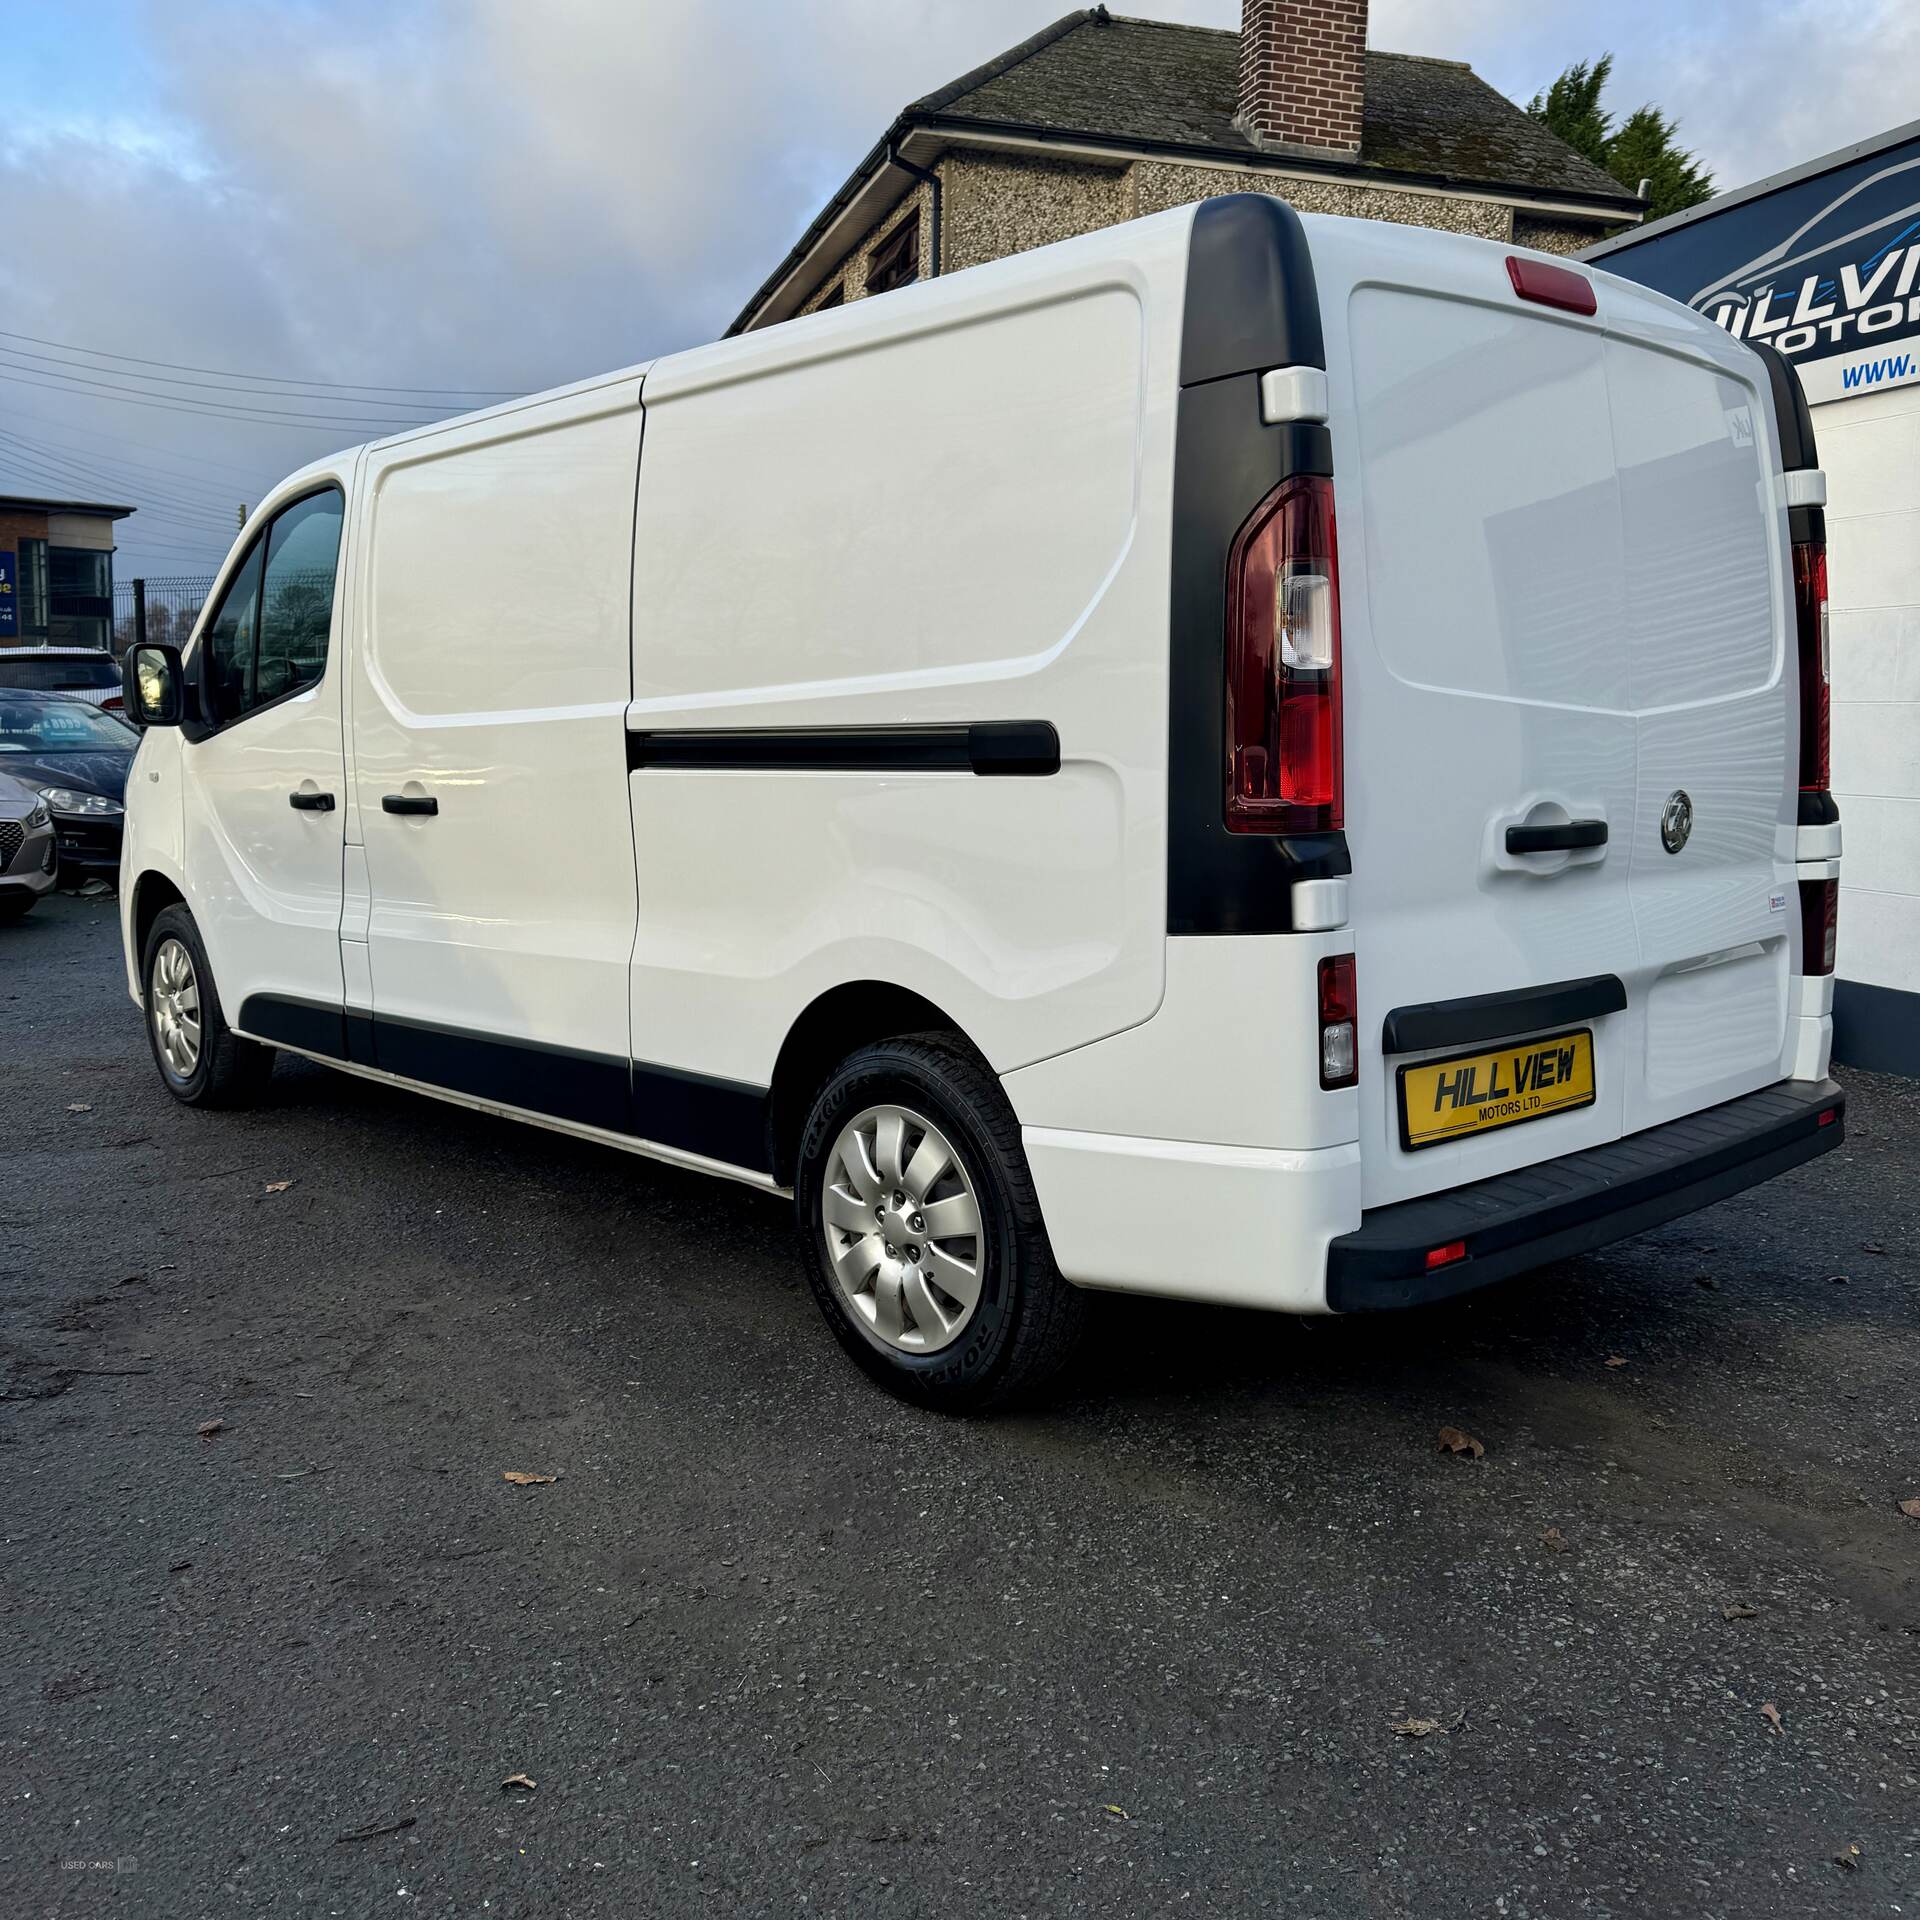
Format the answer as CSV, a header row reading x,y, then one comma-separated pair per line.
x,y
1824,264
9,598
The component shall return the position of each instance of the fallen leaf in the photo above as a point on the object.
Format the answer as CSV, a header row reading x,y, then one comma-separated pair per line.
x,y
1739,1611
1706,1280
1554,1541
1771,1714
1118,1812
79,1106
1616,1360
180,1566
278,1186
1836,1279
528,1479
1850,1859
1414,1729
1452,1440
208,1428
1871,1246
375,1833
1911,1508
519,1781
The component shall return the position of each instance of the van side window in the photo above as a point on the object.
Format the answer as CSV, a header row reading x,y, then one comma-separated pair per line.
x,y
229,642
896,261
296,602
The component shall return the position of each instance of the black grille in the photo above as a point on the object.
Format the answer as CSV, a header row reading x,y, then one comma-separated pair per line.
x,y
12,833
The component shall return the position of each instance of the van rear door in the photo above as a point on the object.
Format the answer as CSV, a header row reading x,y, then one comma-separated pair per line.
x,y
1565,615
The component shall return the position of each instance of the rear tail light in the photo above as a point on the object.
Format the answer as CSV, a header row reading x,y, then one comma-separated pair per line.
x,y
1819,924
1816,705
113,703
1283,665
1339,1014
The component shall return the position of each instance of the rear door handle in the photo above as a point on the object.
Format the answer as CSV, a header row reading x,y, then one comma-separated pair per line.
x,y
1568,837
311,802
408,803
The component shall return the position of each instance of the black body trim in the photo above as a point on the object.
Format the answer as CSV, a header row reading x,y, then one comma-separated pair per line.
x,y
1500,1016
1565,838
724,1120
1818,810
1251,304
987,747
1568,1206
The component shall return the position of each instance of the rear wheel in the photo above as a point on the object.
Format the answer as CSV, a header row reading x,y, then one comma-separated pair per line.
x,y
925,1246
202,1061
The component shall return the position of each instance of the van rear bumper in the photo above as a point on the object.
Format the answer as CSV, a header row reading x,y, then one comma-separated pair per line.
x,y
1563,1207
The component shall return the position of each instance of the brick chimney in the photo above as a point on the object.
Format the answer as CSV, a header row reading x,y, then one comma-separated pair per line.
x,y
1303,74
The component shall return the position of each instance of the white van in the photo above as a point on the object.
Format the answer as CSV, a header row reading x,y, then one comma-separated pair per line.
x,y
935,758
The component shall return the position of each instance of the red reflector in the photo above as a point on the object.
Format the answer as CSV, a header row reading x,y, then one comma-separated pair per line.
x,y
1447,1255
1339,1011
1819,925
1828,1117
1550,285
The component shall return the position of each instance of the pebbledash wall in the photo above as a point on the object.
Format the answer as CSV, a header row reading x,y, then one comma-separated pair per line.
x,y
993,206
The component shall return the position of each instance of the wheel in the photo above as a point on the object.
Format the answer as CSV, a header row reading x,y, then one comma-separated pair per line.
x,y
13,904
203,1062
924,1241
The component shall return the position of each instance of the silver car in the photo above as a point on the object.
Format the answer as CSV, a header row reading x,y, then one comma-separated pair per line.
x,y
29,859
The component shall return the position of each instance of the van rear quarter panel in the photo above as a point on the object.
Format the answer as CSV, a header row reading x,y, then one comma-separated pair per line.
x,y
948,505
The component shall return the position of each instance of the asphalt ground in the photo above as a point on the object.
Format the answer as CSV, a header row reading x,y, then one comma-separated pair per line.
x,y
768,1642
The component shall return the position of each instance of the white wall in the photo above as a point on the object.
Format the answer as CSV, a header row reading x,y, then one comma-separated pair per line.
x,y
1870,448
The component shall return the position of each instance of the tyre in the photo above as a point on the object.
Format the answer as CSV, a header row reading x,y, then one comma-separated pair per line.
x,y
16,902
202,1061
924,1242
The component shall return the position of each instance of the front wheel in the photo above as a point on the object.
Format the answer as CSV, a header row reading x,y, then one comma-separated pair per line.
x,y
925,1246
202,1061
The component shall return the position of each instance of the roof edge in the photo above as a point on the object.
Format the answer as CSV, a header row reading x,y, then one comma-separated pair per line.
x,y
1002,62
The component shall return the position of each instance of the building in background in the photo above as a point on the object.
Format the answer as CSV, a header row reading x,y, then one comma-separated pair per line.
x,y
1823,263
56,572
1098,119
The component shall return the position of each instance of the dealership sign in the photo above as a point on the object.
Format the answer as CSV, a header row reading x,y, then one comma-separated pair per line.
x,y
9,598
1825,266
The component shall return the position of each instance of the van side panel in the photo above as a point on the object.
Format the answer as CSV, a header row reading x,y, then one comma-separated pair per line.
x,y
945,508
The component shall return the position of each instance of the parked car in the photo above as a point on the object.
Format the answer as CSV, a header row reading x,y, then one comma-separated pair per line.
x,y
29,860
76,758
951,773
87,671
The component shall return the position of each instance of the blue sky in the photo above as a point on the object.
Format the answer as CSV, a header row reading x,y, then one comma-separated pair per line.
x,y
500,195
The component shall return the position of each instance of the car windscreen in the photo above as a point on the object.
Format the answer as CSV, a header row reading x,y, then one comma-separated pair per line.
x,y
61,673
29,725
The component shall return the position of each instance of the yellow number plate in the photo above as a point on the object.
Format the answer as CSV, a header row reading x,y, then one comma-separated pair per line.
x,y
1479,1092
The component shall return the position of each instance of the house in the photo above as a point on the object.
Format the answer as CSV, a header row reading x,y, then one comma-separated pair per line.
x,y
56,571
1099,119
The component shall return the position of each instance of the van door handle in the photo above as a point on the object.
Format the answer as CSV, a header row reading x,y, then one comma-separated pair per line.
x,y
1568,837
408,803
311,802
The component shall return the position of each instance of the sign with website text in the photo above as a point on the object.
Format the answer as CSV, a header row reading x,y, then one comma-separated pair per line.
x,y
9,597
1826,269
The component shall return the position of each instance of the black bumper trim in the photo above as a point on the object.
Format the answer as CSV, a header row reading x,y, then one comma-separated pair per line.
x,y
1500,1016
1584,1200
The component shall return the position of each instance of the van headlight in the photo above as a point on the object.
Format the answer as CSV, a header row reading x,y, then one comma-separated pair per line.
x,y
71,802
41,816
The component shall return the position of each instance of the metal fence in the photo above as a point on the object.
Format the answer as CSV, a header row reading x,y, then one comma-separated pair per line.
x,y
173,603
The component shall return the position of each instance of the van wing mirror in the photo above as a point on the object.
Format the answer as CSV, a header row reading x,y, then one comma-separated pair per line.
x,y
155,686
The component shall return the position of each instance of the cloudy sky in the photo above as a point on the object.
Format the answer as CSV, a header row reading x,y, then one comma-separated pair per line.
x,y
499,195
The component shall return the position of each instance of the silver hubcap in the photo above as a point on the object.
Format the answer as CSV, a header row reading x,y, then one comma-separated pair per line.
x,y
902,1227
175,1009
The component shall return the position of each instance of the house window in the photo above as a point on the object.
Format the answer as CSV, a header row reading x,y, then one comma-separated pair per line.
x,y
896,260
79,596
